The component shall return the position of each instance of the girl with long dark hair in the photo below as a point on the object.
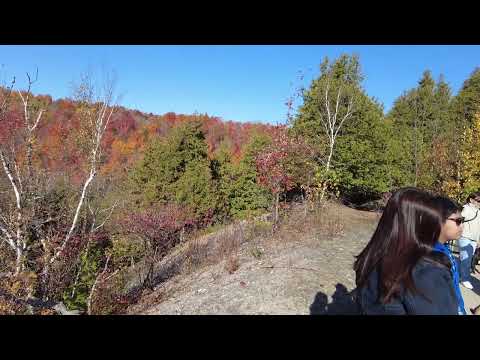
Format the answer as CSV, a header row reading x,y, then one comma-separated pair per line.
x,y
399,272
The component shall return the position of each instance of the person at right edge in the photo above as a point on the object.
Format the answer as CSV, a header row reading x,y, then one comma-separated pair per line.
x,y
470,236
452,226
399,272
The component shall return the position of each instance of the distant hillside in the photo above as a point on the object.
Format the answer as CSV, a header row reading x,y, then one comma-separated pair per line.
x,y
128,133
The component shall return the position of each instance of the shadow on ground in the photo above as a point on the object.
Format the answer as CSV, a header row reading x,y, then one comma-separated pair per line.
x,y
342,303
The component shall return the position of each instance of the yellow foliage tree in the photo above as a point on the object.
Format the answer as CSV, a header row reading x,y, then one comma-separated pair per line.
x,y
469,170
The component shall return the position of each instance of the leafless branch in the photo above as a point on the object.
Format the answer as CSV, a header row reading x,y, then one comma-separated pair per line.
x,y
25,106
336,107
75,283
327,106
9,238
12,180
6,99
37,121
347,115
76,217
324,123
97,279
107,217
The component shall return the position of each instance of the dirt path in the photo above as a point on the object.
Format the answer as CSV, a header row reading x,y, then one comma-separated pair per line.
x,y
472,297
312,276
295,278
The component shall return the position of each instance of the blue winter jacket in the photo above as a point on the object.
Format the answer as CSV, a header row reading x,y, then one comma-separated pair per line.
x,y
435,296
456,277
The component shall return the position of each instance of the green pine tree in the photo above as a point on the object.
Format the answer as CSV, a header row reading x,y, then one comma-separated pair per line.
x,y
238,188
421,118
177,169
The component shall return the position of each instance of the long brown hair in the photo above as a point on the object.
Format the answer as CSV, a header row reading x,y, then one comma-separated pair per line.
x,y
407,231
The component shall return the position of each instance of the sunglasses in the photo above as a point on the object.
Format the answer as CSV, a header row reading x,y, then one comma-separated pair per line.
x,y
459,221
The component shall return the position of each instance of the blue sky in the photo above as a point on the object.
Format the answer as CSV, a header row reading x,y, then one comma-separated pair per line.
x,y
242,83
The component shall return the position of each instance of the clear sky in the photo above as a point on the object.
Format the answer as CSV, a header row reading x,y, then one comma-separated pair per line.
x,y
242,83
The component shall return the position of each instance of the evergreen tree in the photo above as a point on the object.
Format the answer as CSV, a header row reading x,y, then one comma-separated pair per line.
x,y
468,180
245,196
438,157
467,103
361,162
421,118
464,106
178,170
443,103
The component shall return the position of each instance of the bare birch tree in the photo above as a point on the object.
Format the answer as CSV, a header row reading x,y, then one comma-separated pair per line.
x,y
329,103
13,230
95,109
335,101
332,119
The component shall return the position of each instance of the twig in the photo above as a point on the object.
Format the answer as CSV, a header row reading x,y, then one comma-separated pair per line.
x,y
288,267
97,279
108,216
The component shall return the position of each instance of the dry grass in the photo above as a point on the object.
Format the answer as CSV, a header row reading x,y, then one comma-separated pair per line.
x,y
325,221
215,248
224,245
229,244
232,264
257,252
196,254
259,229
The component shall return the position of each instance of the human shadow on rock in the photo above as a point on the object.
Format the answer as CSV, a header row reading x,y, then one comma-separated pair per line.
x,y
343,303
